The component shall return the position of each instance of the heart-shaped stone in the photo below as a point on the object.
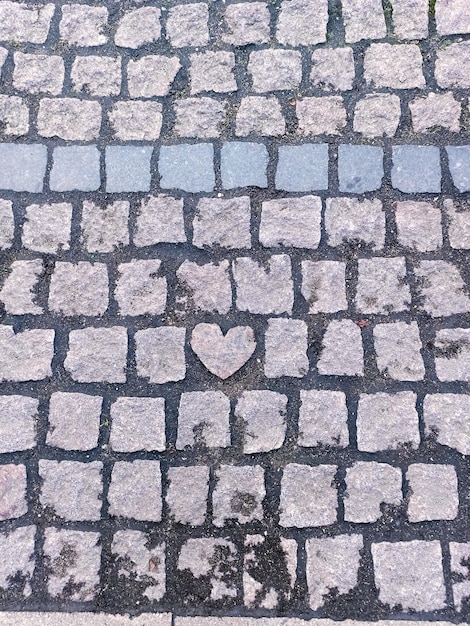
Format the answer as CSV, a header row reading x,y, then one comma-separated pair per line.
x,y
223,354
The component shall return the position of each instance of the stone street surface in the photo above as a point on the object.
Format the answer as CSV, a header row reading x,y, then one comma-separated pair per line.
x,y
234,312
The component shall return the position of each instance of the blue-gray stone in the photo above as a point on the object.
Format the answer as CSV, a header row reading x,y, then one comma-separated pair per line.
x,y
459,164
75,168
303,167
128,168
22,167
189,167
244,164
360,168
416,169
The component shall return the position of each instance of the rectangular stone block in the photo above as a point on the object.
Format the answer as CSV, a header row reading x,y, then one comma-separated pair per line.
x,y
24,22
23,167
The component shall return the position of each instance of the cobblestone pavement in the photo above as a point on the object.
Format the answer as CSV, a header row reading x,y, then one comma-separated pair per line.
x,y
235,311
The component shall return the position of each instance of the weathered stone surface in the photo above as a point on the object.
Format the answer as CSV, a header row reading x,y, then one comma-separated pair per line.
x,y
363,19
442,288
138,562
136,121
459,555
209,285
187,25
445,419
18,419
409,573
22,22
203,420
71,489
350,220
160,354
410,19
308,496
83,25
159,219
138,27
135,490
397,346
74,421
104,228
223,354
369,485
38,73
324,286
260,115
286,345
212,71
223,222
291,222
14,116
199,117
342,353
435,111
333,69
151,75
321,116
418,225
387,421
7,224
140,290
264,289
138,424
452,65
459,224
397,66
263,417
69,118
47,227
452,354
377,114
97,354
72,560
187,494
17,548
275,69
97,75
433,492
246,23
452,17
332,564
26,355
238,494
12,491
323,418
382,286
79,289
18,291
302,22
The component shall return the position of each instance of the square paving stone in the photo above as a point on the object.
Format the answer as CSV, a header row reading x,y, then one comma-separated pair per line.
x,y
75,168
302,168
13,491
138,424
239,493
323,418
189,167
262,414
434,492
128,168
446,421
17,550
47,227
136,490
74,421
222,222
104,228
360,168
416,169
459,165
23,167
244,164
160,219
187,494
203,420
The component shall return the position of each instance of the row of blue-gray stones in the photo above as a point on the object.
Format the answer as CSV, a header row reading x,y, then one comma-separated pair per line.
x,y
190,167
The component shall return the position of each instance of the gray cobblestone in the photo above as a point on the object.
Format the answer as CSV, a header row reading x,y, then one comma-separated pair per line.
x,y
159,219
324,286
238,494
187,166
302,168
348,220
139,562
264,289
459,224
138,27
286,348
187,25
434,111
308,496
319,116
377,114
199,117
203,420
410,19
442,289
222,222
452,17
360,168
459,554
47,227
14,116
246,23
135,490
387,421
23,167
97,354
332,564
275,69
263,415
369,485
139,289
69,118
260,115
394,66
74,421
459,164
104,228
433,491
363,19
409,573
12,491
17,293
323,418
342,353
26,355
381,287
72,490
209,285
397,346
17,549
291,222
20,22
72,563
79,289
97,75
418,225
82,25
302,22
160,354
416,169
187,494
128,168
38,73
452,354
75,168
7,224
18,421
151,75
451,65
138,424
333,69
445,419
244,164
136,121
213,72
